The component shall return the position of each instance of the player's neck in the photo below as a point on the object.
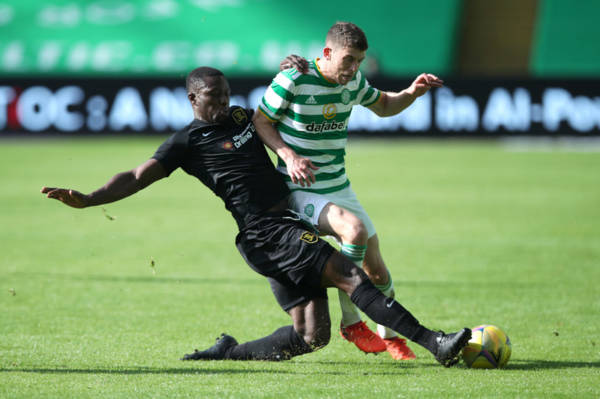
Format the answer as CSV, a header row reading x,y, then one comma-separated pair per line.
x,y
324,68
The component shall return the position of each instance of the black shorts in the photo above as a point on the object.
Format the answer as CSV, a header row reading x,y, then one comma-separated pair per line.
x,y
290,253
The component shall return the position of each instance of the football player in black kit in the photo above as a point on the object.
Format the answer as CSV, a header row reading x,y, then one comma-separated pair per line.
x,y
221,148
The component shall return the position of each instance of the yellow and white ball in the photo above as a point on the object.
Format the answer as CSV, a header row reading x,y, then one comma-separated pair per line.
x,y
489,348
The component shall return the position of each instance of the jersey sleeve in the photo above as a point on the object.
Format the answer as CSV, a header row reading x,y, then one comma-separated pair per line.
x,y
172,152
368,95
278,95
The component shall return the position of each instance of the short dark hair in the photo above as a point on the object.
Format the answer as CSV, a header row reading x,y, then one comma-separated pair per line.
x,y
347,34
195,78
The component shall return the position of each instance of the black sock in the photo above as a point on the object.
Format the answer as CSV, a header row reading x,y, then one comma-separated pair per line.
x,y
386,311
283,344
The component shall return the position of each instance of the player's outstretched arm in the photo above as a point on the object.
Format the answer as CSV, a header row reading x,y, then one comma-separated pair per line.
x,y
392,103
299,169
118,187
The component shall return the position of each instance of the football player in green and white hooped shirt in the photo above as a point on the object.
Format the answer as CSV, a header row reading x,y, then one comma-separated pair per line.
x,y
303,117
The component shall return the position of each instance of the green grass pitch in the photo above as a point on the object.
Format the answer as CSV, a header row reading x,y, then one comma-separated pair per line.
x,y
472,233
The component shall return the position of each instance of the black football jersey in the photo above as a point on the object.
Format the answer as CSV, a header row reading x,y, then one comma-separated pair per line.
x,y
231,160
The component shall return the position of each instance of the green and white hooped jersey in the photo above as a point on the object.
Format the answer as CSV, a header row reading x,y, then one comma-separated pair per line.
x,y
311,114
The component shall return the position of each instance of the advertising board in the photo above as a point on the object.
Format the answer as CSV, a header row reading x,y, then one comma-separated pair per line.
x,y
146,106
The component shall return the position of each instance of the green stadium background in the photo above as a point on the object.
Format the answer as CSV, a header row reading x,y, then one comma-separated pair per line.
x,y
248,38
475,45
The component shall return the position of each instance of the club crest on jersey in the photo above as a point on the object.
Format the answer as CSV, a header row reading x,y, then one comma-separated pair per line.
x,y
345,96
329,111
309,210
309,237
239,116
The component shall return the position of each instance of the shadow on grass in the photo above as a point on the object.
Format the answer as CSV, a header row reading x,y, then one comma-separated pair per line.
x,y
139,370
143,279
534,364
245,281
351,367
404,365
379,369
196,371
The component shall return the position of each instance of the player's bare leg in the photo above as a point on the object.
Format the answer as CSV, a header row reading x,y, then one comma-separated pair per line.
x,y
312,322
352,233
343,224
379,274
373,264
311,330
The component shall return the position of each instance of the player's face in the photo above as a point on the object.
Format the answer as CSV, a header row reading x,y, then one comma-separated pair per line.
x,y
212,99
345,62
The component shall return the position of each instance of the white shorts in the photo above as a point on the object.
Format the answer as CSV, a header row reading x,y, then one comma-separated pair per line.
x,y
310,205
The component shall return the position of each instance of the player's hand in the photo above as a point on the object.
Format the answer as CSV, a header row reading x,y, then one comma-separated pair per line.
x,y
300,171
294,61
423,83
69,197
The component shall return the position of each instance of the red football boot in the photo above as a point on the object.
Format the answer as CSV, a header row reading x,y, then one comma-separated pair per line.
x,y
398,349
364,339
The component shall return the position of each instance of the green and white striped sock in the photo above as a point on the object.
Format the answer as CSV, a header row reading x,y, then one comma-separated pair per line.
x,y
350,313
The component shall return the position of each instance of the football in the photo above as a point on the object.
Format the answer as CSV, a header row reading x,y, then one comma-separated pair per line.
x,y
489,348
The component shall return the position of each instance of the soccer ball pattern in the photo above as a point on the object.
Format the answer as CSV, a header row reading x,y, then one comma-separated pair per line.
x,y
489,348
